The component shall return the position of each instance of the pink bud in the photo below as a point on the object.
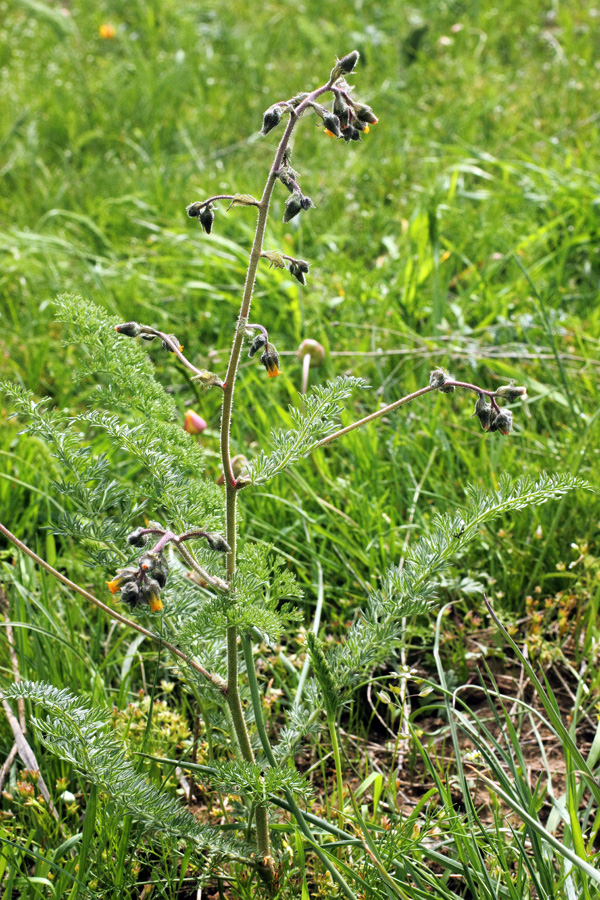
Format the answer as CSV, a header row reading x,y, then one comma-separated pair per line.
x,y
194,423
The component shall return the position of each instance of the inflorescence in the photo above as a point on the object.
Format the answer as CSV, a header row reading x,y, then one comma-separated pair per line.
x,y
490,415
143,583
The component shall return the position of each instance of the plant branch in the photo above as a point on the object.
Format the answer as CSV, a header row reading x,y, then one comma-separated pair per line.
x,y
375,415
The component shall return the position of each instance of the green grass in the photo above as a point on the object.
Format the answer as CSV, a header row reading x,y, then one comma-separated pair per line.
x,y
463,232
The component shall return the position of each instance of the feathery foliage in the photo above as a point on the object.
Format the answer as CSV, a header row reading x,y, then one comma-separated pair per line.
x,y
80,735
318,419
412,589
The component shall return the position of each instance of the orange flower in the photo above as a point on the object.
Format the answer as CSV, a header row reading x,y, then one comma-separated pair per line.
x,y
155,602
273,373
107,31
113,586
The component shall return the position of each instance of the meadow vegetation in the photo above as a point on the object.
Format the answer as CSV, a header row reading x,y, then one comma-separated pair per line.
x,y
462,232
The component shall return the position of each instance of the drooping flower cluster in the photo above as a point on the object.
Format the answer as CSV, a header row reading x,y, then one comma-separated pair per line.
x,y
269,357
490,415
142,584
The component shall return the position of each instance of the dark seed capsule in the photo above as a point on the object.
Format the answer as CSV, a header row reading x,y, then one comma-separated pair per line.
x,y
350,133
341,110
271,118
293,207
131,594
503,422
206,218
193,209
161,573
257,344
130,329
217,542
346,63
365,114
168,347
332,124
483,411
297,273
137,538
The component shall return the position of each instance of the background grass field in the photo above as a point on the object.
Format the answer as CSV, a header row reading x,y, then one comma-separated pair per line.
x,y
464,231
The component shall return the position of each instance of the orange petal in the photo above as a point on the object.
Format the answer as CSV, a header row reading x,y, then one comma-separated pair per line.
x,y
156,604
274,373
113,586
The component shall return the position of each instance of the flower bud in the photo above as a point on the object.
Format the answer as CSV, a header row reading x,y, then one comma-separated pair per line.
x,y
483,411
271,119
174,341
121,578
364,113
206,217
131,594
149,562
257,344
130,329
350,133
438,379
137,538
297,272
503,422
313,349
194,424
161,572
341,110
217,542
293,206
147,336
287,178
270,360
332,124
151,594
206,378
512,392
306,203
345,65
193,210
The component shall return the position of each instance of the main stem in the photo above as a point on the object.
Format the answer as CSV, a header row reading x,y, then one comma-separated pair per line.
x,y
266,866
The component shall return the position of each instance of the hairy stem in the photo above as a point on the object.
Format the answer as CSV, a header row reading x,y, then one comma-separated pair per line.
x,y
233,696
266,745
